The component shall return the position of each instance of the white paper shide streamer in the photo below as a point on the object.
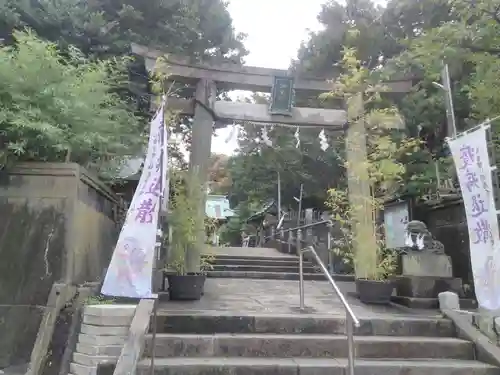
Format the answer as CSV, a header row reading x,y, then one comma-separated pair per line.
x,y
232,134
131,267
322,140
297,137
265,137
470,154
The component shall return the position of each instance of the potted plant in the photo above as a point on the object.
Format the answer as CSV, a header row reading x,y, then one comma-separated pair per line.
x,y
378,287
186,267
375,286
376,148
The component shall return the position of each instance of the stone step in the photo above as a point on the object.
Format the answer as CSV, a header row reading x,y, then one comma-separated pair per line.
x,y
260,262
251,257
275,275
309,346
211,323
308,366
262,268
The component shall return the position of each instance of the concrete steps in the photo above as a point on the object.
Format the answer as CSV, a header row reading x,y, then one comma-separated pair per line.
x,y
310,346
242,257
213,323
231,344
262,268
242,261
307,366
268,275
269,268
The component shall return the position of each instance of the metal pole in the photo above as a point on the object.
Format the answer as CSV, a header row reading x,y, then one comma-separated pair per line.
x,y
350,343
493,162
450,112
329,249
279,197
300,203
282,240
153,340
301,269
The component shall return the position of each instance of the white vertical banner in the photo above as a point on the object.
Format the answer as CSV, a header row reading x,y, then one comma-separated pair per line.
x,y
130,270
470,154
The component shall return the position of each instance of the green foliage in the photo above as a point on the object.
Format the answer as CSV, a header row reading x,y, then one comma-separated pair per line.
x,y
218,174
386,259
254,169
185,219
99,300
384,34
361,245
192,28
211,225
469,44
231,231
62,108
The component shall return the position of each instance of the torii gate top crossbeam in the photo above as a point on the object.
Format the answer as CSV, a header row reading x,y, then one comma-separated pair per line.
x,y
236,77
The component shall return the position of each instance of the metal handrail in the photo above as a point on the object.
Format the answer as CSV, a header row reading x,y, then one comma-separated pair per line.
x,y
328,222
306,226
351,319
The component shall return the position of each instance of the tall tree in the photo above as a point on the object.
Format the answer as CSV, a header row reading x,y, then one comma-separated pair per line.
x,y
265,151
193,28
384,35
219,178
58,107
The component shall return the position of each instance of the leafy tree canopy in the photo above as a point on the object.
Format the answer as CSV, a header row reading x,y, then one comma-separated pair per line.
x,y
192,28
102,29
62,108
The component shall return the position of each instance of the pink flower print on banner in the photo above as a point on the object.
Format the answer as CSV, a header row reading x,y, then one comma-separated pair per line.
x,y
132,260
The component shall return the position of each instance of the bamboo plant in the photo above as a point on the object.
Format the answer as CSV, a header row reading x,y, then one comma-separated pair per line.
x,y
364,247
187,222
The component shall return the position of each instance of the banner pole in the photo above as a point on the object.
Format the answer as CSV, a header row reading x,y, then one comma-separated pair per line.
x,y
494,168
163,202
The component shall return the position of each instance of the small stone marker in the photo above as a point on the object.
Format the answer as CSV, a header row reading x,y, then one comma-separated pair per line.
x,y
448,301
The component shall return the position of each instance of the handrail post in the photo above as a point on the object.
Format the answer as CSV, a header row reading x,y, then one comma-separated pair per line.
x,y
290,242
350,343
329,249
153,340
301,269
351,321
282,240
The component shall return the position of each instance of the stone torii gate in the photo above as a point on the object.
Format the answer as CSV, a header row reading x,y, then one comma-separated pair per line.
x,y
280,83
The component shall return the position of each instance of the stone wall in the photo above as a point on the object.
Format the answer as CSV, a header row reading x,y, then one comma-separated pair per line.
x,y
103,333
57,223
448,224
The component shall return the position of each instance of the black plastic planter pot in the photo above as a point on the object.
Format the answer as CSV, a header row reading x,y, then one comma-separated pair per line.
x,y
186,287
374,292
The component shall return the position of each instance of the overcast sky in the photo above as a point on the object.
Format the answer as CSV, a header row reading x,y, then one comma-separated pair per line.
x,y
275,29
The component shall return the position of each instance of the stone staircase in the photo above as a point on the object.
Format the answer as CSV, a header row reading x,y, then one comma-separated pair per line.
x,y
226,344
252,267
270,268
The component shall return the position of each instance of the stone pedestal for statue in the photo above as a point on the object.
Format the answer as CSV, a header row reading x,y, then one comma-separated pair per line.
x,y
423,277
426,271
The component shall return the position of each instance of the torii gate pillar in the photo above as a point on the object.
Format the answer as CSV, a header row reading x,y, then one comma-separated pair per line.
x,y
199,159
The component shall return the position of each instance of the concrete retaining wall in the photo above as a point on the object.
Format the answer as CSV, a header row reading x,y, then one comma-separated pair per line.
x,y
58,224
102,335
